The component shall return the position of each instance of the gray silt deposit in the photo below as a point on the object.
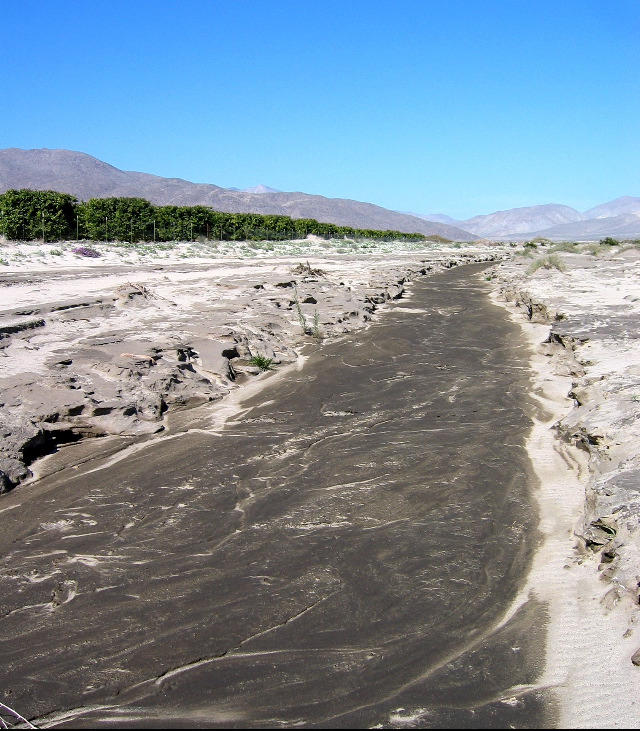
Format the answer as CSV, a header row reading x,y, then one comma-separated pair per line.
x,y
341,555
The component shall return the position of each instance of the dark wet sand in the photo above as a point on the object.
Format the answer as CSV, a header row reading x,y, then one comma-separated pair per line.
x,y
341,556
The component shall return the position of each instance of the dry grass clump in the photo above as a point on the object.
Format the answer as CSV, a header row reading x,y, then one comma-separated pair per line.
x,y
596,249
550,261
308,270
567,247
528,249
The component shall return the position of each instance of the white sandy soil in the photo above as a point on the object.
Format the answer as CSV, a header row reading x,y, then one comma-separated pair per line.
x,y
594,615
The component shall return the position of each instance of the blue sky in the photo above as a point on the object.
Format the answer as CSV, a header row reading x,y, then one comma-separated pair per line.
x,y
458,106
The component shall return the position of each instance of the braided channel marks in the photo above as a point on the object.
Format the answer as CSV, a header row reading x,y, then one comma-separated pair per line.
x,y
344,554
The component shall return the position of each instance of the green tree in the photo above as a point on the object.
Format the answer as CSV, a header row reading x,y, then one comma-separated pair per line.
x,y
36,214
121,219
28,215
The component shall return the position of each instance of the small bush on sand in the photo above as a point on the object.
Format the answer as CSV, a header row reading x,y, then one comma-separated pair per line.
x,y
570,247
262,362
315,328
551,261
86,251
596,249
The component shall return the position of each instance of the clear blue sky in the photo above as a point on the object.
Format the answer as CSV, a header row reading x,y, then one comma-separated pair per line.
x,y
455,106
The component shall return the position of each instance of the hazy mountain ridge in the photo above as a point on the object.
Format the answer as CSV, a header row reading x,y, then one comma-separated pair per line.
x,y
435,218
87,177
521,220
261,189
625,226
617,207
620,217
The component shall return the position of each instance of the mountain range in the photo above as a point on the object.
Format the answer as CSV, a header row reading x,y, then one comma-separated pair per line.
x,y
620,217
87,177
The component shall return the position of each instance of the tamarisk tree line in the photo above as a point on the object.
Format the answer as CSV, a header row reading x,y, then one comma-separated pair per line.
x,y
28,215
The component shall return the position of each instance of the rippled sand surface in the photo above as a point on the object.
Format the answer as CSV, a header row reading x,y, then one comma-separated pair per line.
x,y
348,551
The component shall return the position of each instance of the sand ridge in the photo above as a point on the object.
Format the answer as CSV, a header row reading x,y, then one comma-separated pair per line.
x,y
589,583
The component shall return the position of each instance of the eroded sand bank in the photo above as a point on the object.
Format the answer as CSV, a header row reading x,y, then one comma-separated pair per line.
x,y
101,347
581,321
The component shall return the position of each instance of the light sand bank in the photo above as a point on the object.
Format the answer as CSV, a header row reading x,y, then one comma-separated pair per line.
x,y
594,615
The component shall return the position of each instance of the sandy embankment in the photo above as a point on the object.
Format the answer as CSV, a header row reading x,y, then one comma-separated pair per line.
x,y
582,324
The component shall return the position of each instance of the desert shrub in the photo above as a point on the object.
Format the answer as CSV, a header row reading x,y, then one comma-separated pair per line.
x,y
262,362
595,249
570,247
551,261
86,251
609,242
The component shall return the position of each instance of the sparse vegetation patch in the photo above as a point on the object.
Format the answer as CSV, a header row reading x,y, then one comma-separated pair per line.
x,y
569,247
261,362
86,251
550,261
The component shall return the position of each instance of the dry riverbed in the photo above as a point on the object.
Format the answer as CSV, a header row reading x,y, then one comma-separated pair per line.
x,y
127,345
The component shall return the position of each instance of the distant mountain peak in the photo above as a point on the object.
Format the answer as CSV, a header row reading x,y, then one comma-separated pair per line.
x,y
434,217
260,189
617,207
521,220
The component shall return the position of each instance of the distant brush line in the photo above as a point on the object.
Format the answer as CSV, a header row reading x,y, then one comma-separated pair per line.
x,y
29,215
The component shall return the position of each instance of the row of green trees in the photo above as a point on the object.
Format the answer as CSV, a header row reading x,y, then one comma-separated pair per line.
x,y
28,215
